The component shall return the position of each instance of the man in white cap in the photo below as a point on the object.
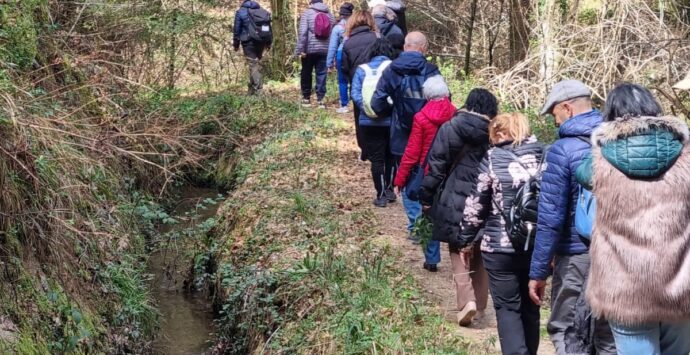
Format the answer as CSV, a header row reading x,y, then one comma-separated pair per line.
x,y
557,239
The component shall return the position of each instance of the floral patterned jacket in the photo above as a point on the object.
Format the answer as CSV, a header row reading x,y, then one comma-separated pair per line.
x,y
500,177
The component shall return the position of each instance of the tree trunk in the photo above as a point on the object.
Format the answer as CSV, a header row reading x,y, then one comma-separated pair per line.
x,y
519,30
172,50
470,28
280,51
548,15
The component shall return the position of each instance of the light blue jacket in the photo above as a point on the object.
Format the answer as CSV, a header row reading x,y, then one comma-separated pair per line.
x,y
335,43
358,99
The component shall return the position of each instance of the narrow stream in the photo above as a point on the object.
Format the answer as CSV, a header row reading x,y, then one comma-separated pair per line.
x,y
186,318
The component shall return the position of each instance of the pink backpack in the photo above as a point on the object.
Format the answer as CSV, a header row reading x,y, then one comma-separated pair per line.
x,y
322,26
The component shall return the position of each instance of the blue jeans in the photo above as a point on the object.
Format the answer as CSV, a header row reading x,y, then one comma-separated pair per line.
x,y
432,252
343,82
652,339
413,209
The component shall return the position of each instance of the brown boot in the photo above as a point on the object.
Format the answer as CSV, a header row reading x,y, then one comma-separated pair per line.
x,y
467,314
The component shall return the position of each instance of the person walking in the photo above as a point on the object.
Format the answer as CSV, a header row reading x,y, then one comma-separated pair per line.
x,y
454,159
402,83
386,23
335,55
374,131
398,7
312,46
514,159
435,113
252,30
360,32
639,278
557,238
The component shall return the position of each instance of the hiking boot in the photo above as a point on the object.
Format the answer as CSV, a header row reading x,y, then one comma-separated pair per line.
x,y
466,315
380,202
343,110
430,267
390,195
306,103
321,104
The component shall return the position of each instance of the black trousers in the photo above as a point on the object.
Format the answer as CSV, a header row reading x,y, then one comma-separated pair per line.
x,y
517,316
376,149
253,52
310,63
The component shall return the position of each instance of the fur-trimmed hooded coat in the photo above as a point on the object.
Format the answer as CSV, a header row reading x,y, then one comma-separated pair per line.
x,y
640,271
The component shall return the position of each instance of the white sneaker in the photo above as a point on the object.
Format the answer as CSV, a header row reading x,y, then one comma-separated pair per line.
x,y
343,110
466,315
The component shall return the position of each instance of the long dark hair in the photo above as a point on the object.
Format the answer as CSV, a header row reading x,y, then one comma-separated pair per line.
x,y
632,100
380,46
483,102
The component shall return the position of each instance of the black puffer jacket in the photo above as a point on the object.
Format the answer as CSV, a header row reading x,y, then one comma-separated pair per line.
x,y
500,177
355,49
458,148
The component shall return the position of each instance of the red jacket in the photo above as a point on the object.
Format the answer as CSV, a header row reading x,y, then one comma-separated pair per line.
x,y
426,123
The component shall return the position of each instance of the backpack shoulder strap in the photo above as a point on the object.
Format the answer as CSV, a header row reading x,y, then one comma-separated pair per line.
x,y
515,157
367,70
585,139
384,65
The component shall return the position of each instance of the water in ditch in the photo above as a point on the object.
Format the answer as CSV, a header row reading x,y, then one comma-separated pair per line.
x,y
186,325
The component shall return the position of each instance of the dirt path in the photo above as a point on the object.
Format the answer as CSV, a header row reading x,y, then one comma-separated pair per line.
x,y
436,287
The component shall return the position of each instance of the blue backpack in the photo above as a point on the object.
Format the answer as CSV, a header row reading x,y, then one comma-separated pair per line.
x,y
585,213
585,209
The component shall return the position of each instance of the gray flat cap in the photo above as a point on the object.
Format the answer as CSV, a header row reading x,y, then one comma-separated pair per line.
x,y
563,91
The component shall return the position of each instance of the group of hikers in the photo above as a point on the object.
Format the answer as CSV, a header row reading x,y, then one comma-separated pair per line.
x,y
604,210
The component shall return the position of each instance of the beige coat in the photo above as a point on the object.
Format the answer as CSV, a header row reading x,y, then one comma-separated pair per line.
x,y
640,248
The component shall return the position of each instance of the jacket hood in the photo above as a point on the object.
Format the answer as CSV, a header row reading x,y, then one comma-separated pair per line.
x,y
409,63
581,125
319,6
251,4
472,127
383,24
642,147
439,112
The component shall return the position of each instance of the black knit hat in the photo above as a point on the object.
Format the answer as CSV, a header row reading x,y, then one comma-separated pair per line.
x,y
346,9
315,1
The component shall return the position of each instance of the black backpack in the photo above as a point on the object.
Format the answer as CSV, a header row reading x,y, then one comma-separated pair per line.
x,y
260,29
412,99
521,219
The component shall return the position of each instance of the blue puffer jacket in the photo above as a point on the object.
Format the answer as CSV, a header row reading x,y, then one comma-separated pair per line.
x,y
335,43
408,63
556,233
357,98
240,31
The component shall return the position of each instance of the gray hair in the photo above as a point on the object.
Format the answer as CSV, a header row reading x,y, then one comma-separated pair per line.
x,y
435,88
384,11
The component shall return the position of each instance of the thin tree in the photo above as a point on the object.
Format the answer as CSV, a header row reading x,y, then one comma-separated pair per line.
x,y
470,29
